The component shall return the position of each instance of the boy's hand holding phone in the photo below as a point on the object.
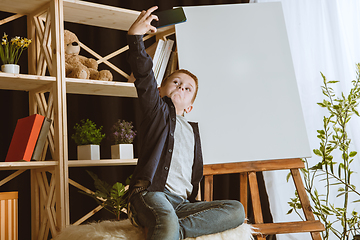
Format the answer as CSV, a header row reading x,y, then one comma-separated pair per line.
x,y
150,22
142,24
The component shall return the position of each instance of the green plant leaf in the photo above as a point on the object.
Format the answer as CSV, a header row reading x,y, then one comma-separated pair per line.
x,y
288,176
352,154
87,133
112,198
318,152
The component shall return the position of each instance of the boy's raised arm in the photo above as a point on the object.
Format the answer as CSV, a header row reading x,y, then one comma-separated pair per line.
x,y
142,24
141,63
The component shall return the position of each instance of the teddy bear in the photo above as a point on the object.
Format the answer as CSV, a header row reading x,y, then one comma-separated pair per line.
x,y
77,66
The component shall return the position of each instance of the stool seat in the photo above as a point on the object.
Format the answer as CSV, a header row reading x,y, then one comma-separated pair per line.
x,y
116,230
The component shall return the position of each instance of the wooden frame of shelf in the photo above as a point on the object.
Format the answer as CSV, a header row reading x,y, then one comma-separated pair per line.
x,y
47,96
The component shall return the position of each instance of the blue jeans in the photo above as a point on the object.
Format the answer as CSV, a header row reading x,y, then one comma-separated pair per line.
x,y
170,217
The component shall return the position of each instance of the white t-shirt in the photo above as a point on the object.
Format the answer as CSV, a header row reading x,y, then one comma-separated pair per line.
x,y
180,172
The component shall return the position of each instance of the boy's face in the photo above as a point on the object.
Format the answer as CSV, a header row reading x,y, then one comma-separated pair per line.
x,y
181,89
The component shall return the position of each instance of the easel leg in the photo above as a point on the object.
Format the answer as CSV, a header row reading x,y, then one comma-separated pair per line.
x,y
255,198
208,188
305,203
244,191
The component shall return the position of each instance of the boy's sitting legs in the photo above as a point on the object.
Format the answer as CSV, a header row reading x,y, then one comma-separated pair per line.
x,y
153,211
203,218
168,216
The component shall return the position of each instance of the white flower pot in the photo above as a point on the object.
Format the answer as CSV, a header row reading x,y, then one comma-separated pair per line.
x,y
88,152
122,151
10,68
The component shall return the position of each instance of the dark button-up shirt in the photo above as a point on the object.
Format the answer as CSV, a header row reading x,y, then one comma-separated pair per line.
x,y
156,126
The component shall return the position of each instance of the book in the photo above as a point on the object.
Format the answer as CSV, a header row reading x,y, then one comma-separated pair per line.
x,y
40,143
158,56
24,139
164,60
172,65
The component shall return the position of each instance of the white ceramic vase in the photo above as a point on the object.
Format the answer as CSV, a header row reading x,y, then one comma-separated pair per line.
x,y
88,152
10,68
122,151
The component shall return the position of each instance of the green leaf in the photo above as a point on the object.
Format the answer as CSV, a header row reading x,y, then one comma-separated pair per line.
x,y
321,131
318,152
340,194
288,176
352,154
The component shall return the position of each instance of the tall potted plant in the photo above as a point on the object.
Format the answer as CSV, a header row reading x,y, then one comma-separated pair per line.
x,y
123,136
112,198
340,220
88,138
10,52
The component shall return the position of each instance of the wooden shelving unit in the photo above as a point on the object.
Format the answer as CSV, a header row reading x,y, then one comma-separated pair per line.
x,y
47,96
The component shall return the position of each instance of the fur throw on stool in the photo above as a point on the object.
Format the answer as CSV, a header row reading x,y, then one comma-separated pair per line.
x,y
116,230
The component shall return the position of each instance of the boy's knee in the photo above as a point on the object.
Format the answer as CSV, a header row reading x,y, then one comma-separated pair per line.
x,y
168,225
169,220
238,212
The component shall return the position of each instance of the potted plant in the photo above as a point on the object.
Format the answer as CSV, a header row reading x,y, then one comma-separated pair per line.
x,y
88,139
123,136
340,219
10,52
112,198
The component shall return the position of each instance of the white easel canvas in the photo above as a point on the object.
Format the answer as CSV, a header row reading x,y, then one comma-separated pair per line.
x,y
248,105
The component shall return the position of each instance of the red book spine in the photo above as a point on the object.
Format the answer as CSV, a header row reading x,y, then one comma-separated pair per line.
x,y
24,138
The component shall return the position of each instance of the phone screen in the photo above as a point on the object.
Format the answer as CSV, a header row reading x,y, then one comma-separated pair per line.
x,y
169,17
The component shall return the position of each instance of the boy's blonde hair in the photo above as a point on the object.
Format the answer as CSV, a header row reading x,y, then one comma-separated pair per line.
x,y
164,81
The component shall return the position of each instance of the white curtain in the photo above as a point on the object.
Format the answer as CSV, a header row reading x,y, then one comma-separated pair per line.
x,y
324,35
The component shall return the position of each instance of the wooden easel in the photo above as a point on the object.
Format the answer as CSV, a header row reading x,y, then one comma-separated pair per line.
x,y
247,172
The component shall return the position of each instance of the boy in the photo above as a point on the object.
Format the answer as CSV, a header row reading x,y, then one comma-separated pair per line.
x,y
166,179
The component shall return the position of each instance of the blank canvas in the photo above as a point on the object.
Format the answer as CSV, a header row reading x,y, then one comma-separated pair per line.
x,y
248,105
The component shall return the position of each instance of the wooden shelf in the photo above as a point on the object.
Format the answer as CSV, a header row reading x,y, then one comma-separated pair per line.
x,y
102,162
99,15
82,12
26,165
23,82
103,88
21,6
79,12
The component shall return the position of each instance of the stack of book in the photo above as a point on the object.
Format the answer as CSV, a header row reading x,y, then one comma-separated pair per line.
x,y
164,58
29,138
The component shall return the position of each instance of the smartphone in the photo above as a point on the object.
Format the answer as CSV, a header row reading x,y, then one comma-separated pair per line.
x,y
169,17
